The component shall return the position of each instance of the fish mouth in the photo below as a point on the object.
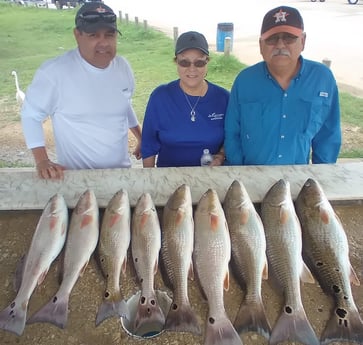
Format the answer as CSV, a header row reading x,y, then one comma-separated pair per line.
x,y
147,329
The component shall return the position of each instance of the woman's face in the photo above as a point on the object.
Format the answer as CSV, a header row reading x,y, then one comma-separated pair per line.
x,y
192,67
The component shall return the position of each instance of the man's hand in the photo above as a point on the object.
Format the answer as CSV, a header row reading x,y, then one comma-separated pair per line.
x,y
46,169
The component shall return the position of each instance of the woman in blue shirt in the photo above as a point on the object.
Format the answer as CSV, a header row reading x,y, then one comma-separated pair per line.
x,y
185,116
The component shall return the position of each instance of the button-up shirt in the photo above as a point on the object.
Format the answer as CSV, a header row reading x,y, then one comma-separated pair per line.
x,y
266,124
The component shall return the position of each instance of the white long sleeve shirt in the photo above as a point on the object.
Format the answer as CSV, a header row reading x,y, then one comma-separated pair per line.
x,y
90,109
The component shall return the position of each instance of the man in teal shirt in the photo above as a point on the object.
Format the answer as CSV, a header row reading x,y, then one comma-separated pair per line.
x,y
285,109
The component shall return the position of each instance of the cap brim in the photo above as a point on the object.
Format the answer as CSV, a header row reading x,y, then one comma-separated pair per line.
x,y
282,28
91,28
198,48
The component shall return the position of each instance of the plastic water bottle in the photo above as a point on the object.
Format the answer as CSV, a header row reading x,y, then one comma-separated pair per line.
x,y
206,158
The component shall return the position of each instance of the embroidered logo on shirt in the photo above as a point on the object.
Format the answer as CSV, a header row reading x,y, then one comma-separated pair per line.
x,y
280,16
323,94
215,116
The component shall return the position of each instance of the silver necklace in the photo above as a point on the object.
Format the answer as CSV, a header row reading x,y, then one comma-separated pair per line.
x,y
192,108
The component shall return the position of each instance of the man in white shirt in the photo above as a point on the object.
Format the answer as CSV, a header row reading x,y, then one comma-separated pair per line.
x,y
87,94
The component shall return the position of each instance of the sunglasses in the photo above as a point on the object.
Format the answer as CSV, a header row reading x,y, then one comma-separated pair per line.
x,y
286,38
94,17
187,63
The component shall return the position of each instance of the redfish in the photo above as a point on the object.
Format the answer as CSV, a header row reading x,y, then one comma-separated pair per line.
x,y
249,260
81,242
212,253
326,252
176,252
47,242
145,247
112,251
284,254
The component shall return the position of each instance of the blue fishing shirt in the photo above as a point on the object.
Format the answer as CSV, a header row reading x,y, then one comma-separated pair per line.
x,y
266,125
168,131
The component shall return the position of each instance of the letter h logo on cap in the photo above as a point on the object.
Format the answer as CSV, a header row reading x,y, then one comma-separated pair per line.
x,y
282,19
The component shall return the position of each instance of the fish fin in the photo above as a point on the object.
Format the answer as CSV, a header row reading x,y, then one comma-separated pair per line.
x,y
64,228
54,312
42,276
293,325
306,276
343,326
324,215
182,318
53,222
265,270
124,266
244,216
284,214
156,265
353,277
221,332
114,219
110,309
251,317
179,217
226,281
86,220
13,318
214,219
83,269
191,271
18,276
148,312
143,219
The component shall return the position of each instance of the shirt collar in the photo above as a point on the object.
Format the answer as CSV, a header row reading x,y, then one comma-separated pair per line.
x,y
298,74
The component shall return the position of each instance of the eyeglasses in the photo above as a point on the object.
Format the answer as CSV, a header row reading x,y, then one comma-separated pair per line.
x,y
187,63
94,17
286,38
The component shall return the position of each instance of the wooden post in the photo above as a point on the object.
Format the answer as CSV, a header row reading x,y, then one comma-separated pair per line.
x,y
145,24
175,33
327,62
120,15
137,20
227,46
127,18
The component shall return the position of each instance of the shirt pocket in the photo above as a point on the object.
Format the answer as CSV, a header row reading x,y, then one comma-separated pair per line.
x,y
315,113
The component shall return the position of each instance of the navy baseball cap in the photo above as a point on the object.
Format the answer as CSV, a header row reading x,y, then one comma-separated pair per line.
x,y
191,40
282,19
95,15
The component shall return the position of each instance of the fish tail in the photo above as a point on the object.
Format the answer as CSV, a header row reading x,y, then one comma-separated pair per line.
x,y
148,315
343,326
221,332
251,317
109,309
293,326
182,318
54,312
13,318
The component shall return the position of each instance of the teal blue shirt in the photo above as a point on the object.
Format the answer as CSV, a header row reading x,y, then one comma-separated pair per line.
x,y
268,125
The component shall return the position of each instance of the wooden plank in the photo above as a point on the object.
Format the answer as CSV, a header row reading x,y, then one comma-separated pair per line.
x,y
21,189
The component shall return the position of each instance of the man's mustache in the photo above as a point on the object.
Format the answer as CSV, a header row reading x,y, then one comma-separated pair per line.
x,y
283,52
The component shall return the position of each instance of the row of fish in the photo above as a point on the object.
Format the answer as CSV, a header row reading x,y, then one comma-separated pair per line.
x,y
279,242
50,236
291,235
